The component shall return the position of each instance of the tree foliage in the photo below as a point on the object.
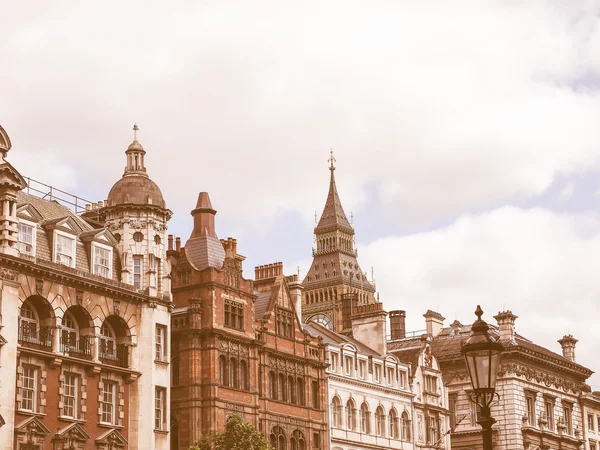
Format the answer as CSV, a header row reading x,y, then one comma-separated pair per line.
x,y
237,435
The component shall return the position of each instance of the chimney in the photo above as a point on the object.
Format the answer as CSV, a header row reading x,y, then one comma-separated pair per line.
x,y
100,204
88,207
506,326
434,322
368,326
349,301
170,242
296,293
204,217
177,244
234,241
568,347
397,324
257,273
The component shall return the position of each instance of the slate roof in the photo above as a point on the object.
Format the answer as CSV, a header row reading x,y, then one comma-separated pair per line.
x,y
261,303
331,337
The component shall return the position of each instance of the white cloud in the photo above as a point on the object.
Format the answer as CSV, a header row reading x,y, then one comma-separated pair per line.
x,y
541,265
446,105
567,192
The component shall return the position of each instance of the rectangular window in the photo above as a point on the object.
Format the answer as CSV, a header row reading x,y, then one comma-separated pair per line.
x,y
109,402
29,388
285,324
348,364
568,417
377,374
316,441
390,376
549,410
102,260
590,422
531,409
362,368
160,409
234,314
26,242
402,380
65,250
598,423
431,384
137,271
452,399
70,390
432,430
161,343
334,362
315,394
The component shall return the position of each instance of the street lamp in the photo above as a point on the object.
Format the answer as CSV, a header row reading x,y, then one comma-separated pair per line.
x,y
482,356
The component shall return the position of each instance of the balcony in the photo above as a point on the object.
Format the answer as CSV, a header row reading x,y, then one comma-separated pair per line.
x,y
32,337
81,349
115,357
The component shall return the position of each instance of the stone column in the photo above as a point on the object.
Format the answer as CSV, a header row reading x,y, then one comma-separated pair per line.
x,y
56,329
95,338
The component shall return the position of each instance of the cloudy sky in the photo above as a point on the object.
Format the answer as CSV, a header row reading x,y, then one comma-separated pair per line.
x,y
467,135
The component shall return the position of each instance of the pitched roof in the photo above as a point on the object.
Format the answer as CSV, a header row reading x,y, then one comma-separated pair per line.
x,y
333,214
333,338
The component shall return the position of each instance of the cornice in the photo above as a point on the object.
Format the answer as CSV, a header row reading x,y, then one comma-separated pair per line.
x,y
363,384
73,278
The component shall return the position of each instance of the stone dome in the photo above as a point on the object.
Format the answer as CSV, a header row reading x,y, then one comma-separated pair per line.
x,y
137,190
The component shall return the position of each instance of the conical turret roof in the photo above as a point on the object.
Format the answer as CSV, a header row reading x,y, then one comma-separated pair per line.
x,y
333,216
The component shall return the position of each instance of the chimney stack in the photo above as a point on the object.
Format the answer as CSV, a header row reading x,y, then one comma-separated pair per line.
x,y
506,326
349,302
177,244
170,242
434,322
568,346
296,289
368,325
397,324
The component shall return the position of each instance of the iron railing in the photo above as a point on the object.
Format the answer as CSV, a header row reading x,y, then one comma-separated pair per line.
x,y
32,337
118,356
78,349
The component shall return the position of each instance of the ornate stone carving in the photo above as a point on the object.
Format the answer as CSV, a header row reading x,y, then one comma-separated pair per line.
x,y
39,286
9,275
117,307
79,297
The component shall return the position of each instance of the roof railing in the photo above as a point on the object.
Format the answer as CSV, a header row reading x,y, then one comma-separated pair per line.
x,y
47,192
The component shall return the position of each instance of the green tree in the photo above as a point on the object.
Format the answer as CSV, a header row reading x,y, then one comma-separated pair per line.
x,y
237,435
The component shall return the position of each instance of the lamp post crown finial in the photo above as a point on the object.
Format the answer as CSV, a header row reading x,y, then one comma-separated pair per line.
x,y
479,312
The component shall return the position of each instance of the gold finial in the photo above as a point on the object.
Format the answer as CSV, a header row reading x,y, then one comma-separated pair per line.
x,y
351,218
298,271
331,160
135,130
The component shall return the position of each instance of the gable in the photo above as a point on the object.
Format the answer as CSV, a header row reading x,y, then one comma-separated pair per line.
x,y
11,177
99,235
112,437
32,425
73,431
29,212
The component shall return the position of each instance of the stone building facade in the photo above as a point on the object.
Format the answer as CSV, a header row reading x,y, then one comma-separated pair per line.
x,y
538,405
77,335
590,409
238,345
369,395
334,270
431,405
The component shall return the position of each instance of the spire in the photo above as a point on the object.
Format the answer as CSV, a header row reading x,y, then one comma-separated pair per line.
x,y
203,248
333,215
135,156
204,217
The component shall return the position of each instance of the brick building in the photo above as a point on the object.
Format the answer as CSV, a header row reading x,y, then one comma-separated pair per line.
x,y
78,329
238,345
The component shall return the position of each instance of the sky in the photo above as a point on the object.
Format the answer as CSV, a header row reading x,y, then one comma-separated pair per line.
x,y
466,135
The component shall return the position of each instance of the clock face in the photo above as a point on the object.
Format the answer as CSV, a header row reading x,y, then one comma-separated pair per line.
x,y
322,319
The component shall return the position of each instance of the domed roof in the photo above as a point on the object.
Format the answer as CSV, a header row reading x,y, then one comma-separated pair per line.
x,y
136,189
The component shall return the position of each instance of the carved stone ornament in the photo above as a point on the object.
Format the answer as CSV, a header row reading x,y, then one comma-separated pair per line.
x,y
79,297
223,346
9,275
117,307
539,377
39,286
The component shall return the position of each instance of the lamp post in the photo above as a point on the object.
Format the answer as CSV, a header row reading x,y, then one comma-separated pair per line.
x,y
482,356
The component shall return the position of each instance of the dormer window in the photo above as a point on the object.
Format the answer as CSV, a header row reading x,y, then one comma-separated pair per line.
x,y
102,260
26,239
64,252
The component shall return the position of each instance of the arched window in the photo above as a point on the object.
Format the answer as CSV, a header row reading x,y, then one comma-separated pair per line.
x,y
393,423
300,393
277,439
365,419
297,441
405,427
108,341
30,322
70,333
291,390
281,388
233,373
351,415
336,411
380,421
223,370
244,379
272,386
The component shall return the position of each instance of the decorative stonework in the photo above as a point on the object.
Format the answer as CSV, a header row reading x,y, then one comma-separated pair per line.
x,y
8,274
